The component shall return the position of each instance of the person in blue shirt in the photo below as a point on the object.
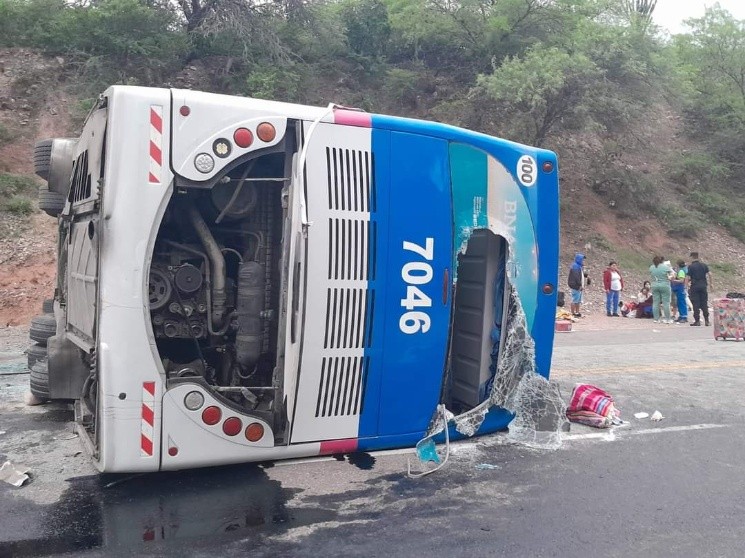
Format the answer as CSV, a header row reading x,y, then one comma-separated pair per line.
x,y
678,287
576,282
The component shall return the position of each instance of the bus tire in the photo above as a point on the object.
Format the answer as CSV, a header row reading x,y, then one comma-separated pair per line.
x,y
51,203
47,307
39,381
43,158
36,353
42,328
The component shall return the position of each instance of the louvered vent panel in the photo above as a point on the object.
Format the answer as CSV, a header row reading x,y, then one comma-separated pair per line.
x,y
350,179
352,247
81,179
349,315
342,386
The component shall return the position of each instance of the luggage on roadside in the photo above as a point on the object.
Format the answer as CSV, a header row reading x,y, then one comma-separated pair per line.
x,y
729,318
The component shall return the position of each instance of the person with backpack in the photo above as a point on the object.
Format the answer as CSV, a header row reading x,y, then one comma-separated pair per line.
x,y
613,283
576,283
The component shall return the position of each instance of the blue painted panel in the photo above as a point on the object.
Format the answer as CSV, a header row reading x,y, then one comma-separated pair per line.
x,y
378,284
419,208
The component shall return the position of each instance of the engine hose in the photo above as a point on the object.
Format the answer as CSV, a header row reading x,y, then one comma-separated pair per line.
x,y
236,192
217,262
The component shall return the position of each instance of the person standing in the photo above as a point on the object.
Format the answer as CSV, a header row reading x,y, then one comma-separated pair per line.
x,y
678,287
576,282
698,280
613,283
661,275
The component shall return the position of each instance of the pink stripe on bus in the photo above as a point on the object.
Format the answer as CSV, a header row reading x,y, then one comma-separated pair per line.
x,y
338,446
353,118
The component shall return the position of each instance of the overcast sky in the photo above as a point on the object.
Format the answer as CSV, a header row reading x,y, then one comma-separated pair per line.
x,y
671,13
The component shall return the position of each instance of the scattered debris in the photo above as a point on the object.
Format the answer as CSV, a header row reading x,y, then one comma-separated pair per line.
x,y
14,474
487,467
641,415
657,416
592,406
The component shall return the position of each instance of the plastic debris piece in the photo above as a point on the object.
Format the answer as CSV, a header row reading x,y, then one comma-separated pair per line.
x,y
439,424
427,451
657,416
641,415
487,467
13,474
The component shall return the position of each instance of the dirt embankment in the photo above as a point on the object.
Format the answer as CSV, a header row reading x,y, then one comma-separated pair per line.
x,y
34,106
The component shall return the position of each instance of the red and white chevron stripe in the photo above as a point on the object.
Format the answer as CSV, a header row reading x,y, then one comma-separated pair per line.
x,y
148,419
156,144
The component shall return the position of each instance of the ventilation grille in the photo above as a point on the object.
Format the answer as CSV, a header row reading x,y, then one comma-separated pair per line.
x,y
342,386
349,314
80,187
352,247
351,185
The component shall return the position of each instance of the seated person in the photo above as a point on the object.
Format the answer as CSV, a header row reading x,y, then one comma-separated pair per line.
x,y
644,301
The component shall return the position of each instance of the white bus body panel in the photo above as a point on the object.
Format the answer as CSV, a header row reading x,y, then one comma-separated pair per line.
x,y
335,302
132,206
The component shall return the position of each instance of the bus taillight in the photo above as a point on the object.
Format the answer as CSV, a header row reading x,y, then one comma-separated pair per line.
x,y
254,432
243,137
266,132
211,415
232,426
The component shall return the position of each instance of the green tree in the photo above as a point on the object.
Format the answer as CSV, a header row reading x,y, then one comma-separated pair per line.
x,y
712,76
540,90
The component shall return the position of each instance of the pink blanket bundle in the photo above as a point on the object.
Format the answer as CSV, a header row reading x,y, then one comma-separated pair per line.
x,y
592,406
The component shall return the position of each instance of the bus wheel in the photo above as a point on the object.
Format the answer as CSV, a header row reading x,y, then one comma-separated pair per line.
x,y
36,353
39,381
51,203
47,307
42,328
43,158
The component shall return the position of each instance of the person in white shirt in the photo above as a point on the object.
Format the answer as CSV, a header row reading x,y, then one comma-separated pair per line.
x,y
613,283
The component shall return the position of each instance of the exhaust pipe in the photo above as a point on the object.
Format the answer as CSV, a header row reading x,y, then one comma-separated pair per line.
x,y
217,263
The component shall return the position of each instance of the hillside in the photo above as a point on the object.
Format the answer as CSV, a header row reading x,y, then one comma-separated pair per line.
x,y
600,216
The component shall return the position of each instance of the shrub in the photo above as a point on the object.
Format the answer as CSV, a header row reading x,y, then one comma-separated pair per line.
x,y
19,205
16,184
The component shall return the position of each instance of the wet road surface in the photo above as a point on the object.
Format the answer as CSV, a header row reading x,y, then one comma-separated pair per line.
x,y
673,488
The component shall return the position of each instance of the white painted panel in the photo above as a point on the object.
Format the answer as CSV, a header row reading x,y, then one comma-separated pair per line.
x,y
332,365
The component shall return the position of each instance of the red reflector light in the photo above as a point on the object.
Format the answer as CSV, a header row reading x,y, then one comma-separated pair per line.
x,y
254,432
266,132
243,137
232,426
173,451
548,288
211,415
548,166
184,110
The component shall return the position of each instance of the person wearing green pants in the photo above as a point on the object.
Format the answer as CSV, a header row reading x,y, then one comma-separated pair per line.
x,y
661,274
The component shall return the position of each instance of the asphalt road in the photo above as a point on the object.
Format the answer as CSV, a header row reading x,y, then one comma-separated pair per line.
x,y
669,488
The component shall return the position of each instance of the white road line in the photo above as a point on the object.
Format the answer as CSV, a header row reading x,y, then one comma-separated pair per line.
x,y
610,435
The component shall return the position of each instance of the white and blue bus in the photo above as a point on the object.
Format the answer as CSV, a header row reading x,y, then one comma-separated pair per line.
x,y
246,280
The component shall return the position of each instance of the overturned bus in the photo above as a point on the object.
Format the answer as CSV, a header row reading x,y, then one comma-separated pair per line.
x,y
247,280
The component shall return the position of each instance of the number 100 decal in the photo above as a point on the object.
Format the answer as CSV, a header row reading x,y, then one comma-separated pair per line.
x,y
416,274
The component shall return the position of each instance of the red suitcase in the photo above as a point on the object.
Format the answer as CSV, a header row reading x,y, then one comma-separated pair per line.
x,y
729,318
